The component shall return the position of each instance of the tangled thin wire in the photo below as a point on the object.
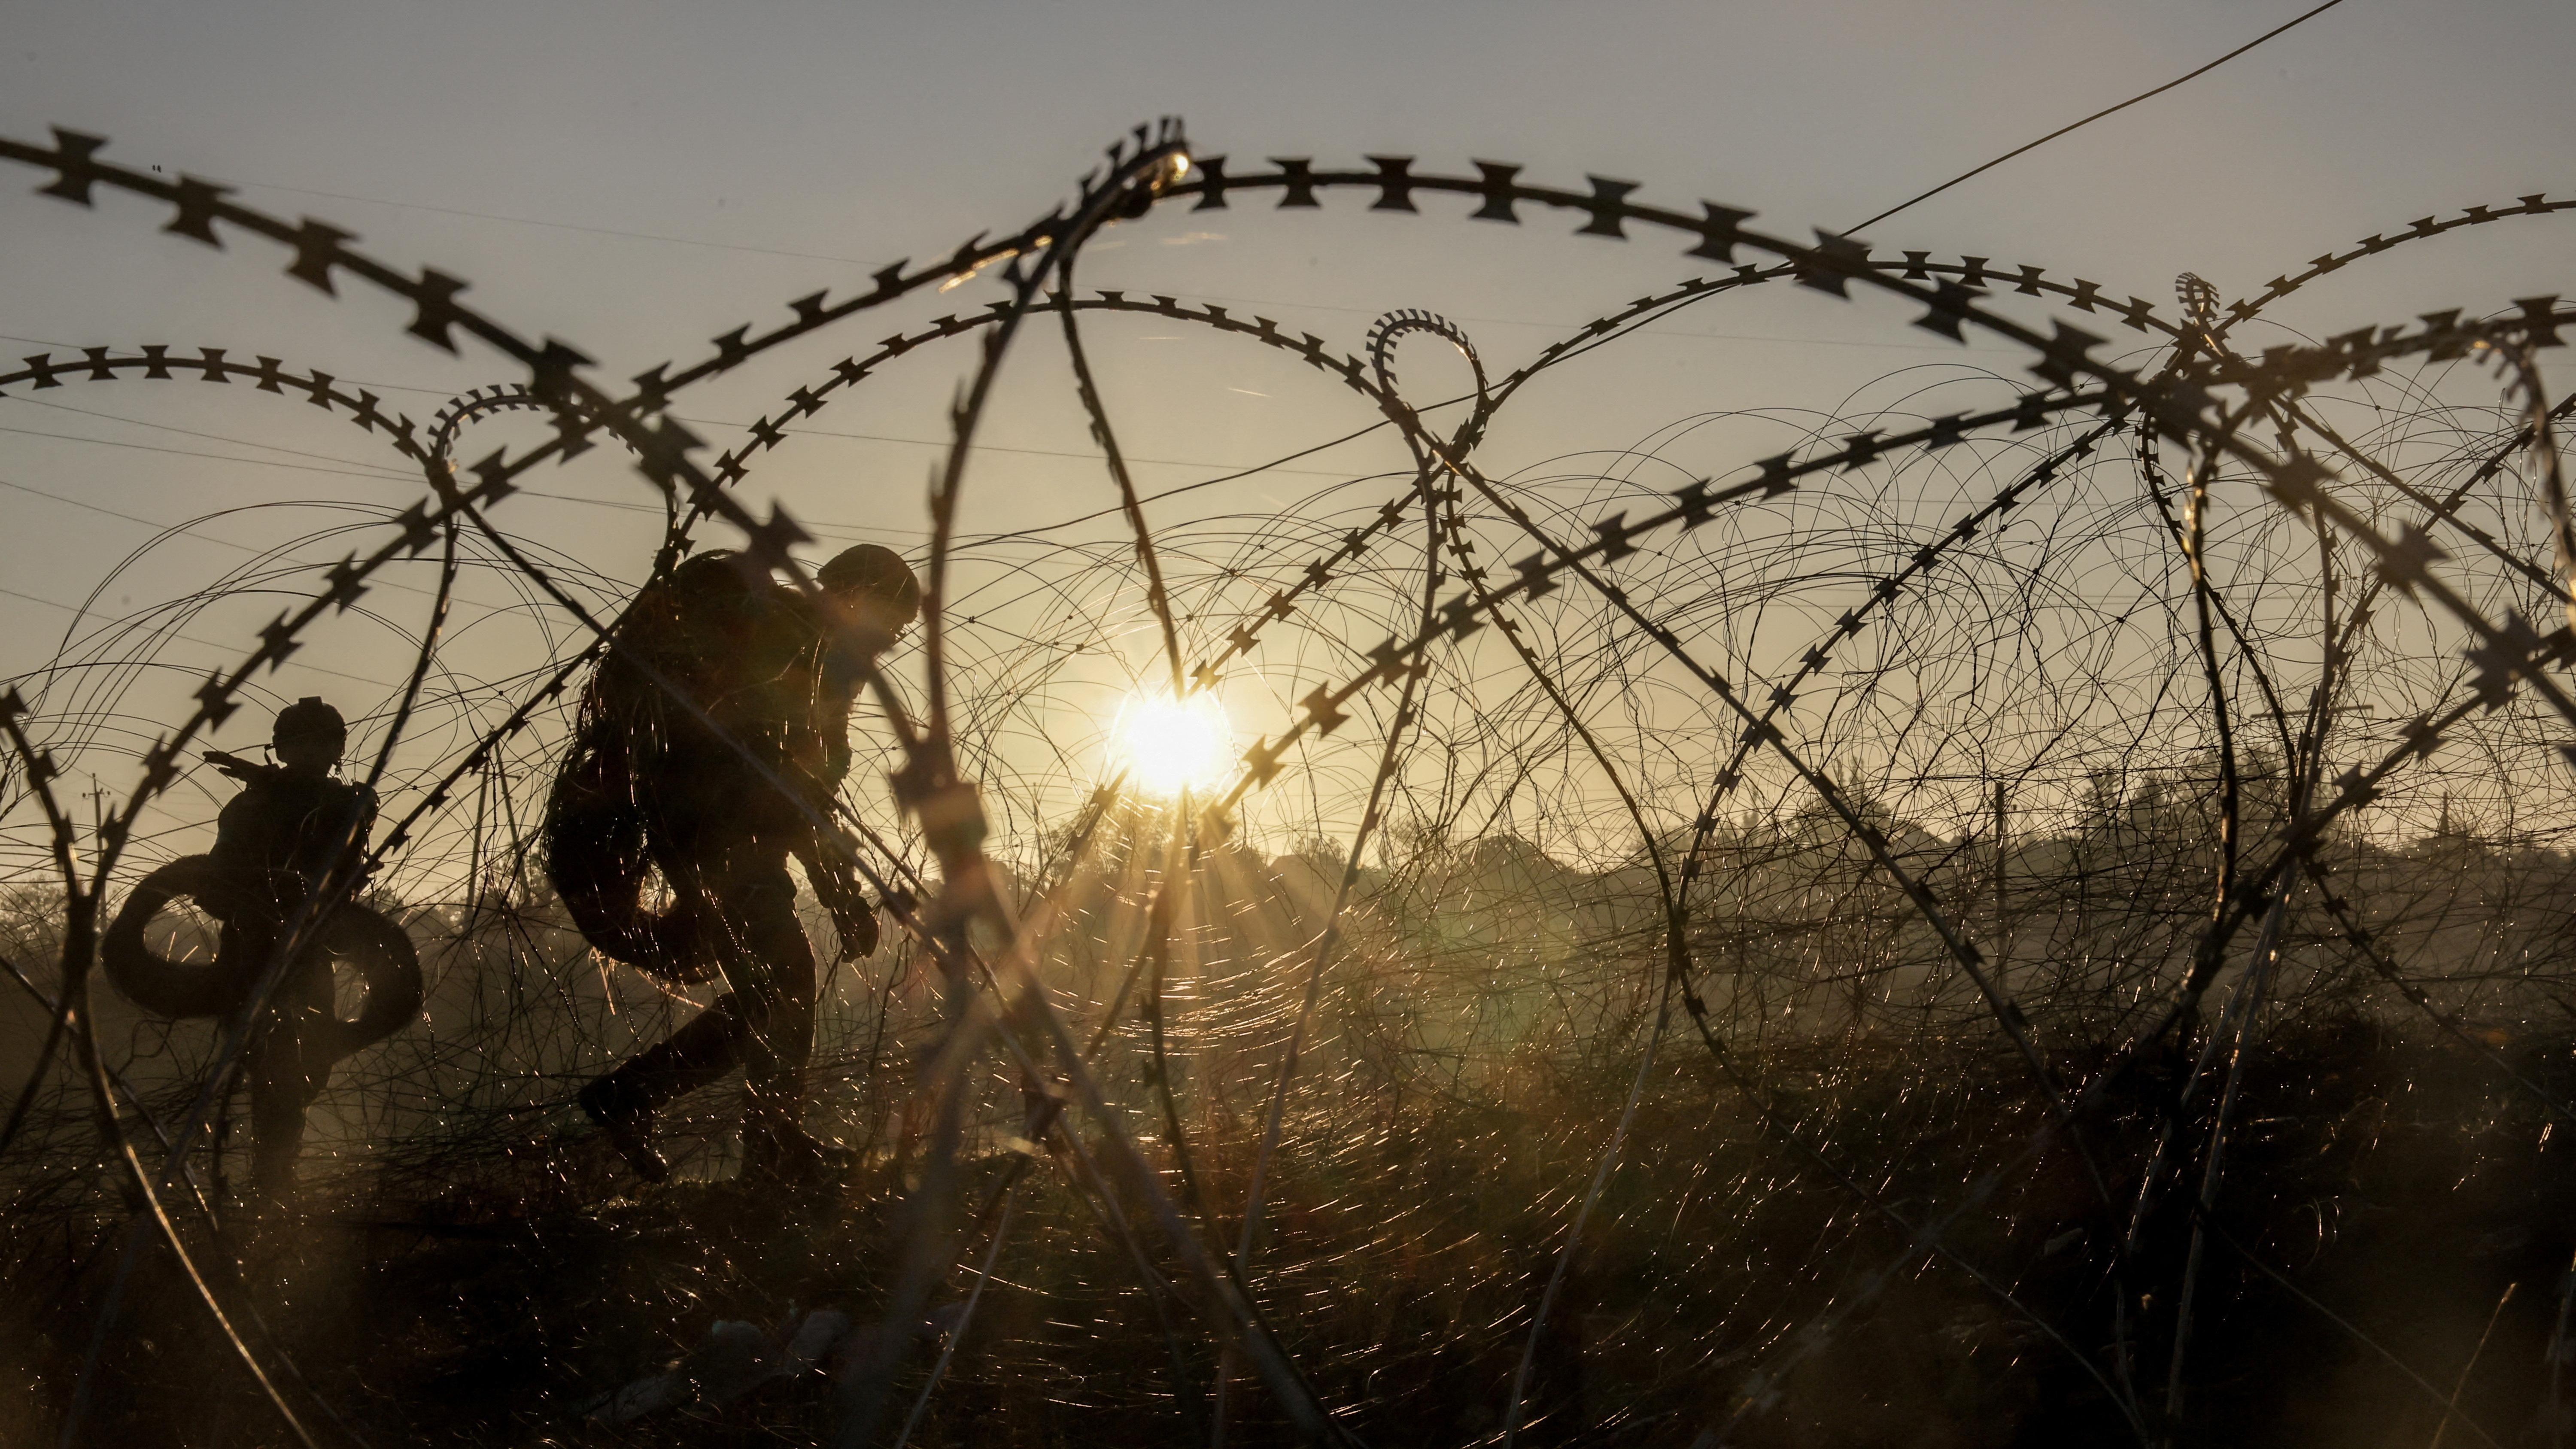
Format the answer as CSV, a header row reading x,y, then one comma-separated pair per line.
x,y
1960,880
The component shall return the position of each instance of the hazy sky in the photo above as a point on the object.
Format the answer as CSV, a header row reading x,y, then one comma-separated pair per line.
x,y
847,130
695,165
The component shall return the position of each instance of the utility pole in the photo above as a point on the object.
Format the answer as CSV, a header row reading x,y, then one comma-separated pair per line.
x,y
2003,952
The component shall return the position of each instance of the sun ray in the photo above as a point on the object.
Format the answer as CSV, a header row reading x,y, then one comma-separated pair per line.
x,y
1168,746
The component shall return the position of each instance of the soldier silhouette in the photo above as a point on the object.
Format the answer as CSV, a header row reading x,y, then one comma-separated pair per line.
x,y
274,843
292,829
710,745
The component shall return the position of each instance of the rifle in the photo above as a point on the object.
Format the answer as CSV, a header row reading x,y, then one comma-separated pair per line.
x,y
249,772
253,773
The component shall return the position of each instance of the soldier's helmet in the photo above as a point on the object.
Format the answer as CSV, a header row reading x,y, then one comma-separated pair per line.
x,y
309,721
874,583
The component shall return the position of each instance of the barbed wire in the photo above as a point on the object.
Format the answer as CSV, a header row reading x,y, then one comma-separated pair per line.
x,y
1733,752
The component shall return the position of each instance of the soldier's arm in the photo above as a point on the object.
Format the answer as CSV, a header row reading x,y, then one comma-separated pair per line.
x,y
837,887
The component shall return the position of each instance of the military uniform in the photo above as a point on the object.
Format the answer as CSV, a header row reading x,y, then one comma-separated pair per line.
x,y
736,718
273,842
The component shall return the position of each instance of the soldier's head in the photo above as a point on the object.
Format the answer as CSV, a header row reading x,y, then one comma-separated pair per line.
x,y
877,595
309,737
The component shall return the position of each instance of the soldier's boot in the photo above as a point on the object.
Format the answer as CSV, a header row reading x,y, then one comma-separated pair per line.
x,y
624,1111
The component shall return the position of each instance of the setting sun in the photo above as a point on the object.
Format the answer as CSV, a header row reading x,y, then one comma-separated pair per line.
x,y
1169,745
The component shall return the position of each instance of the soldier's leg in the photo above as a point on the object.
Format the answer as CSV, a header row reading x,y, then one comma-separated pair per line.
x,y
711,1044
276,1071
772,974
624,1101
271,1067
286,1073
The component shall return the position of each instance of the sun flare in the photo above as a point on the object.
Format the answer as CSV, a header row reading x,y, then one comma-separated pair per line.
x,y
1167,745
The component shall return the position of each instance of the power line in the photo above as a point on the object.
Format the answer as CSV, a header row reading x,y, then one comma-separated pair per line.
x,y
213,437
2097,115
189,531
1089,457
827,527
385,477
1233,473
229,649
